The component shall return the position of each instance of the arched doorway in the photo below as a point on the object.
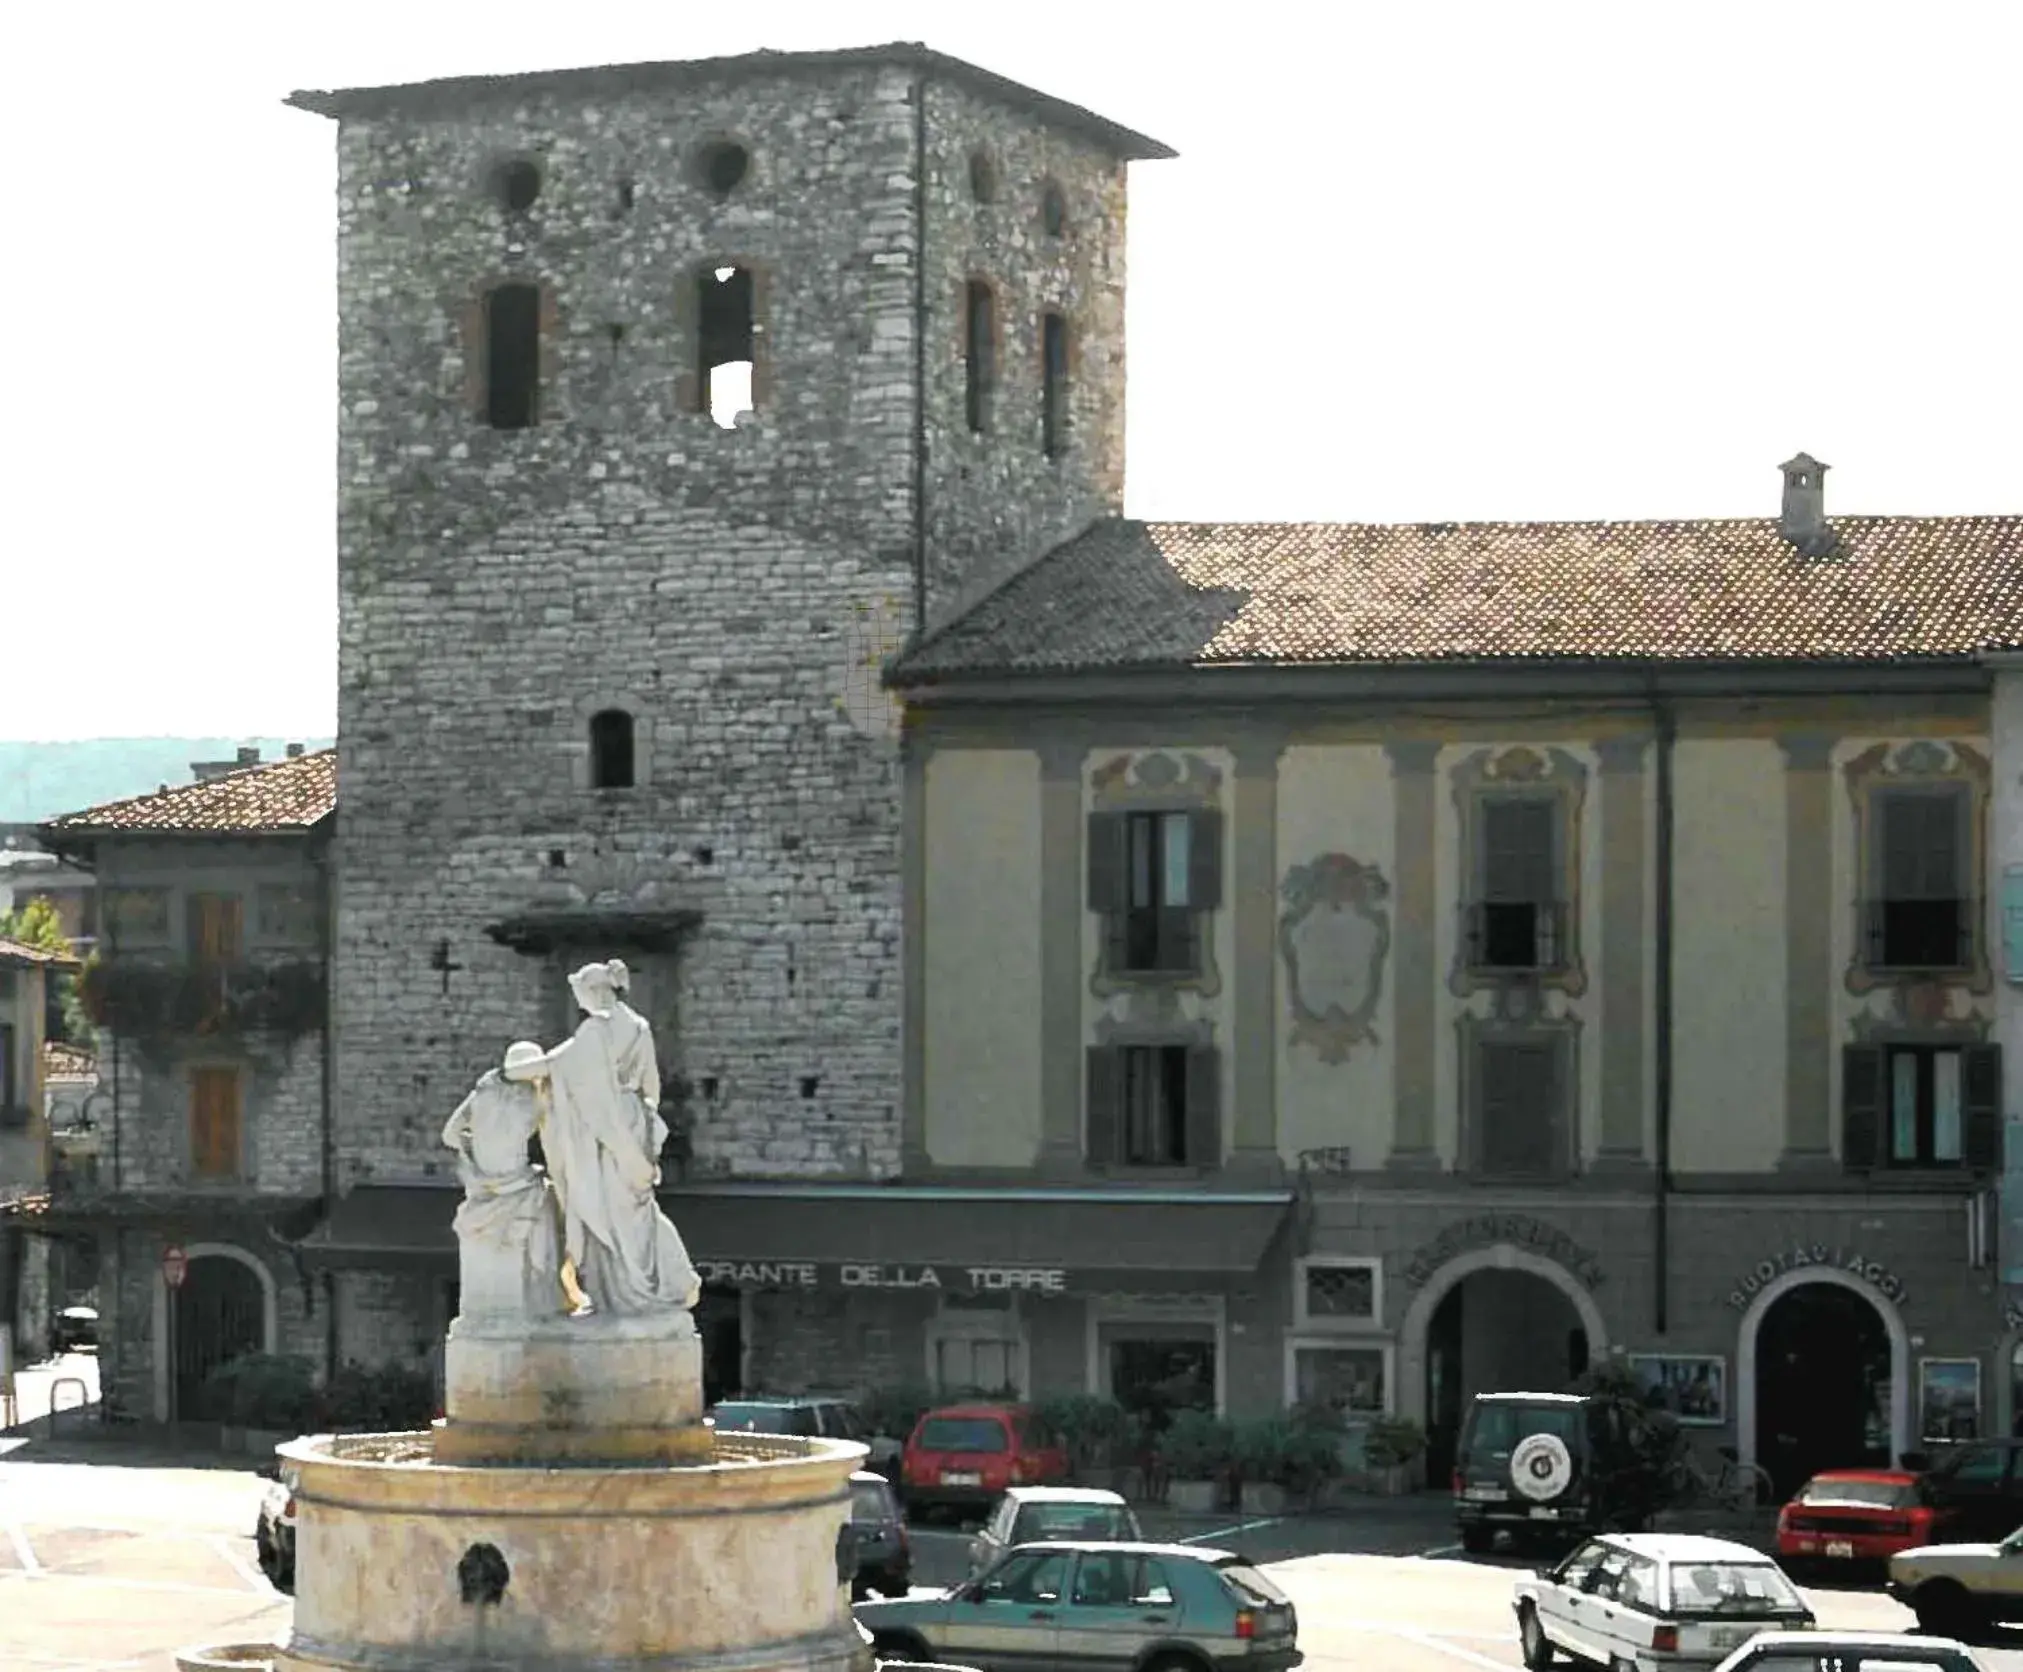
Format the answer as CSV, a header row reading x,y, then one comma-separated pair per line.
x,y
225,1307
1498,1320
1821,1368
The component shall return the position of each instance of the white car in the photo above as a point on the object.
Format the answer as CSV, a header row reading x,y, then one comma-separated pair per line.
x,y
1849,1651
1654,1601
1955,1588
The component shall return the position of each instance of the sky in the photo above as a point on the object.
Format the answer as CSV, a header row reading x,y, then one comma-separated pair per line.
x,y
1417,260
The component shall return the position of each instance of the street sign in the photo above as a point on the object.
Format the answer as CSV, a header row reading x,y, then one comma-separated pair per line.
x,y
175,1266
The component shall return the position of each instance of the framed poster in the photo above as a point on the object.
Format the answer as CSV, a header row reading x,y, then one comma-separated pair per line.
x,y
1949,1399
1692,1386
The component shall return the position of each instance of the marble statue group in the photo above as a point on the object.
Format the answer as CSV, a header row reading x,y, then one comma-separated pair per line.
x,y
583,1235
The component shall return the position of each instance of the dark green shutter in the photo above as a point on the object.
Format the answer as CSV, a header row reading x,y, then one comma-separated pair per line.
x,y
1204,1106
1864,1091
1105,1076
1981,1106
1204,860
1109,874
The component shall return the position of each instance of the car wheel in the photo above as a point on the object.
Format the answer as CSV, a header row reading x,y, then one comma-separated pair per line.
x,y
1944,1609
1531,1637
900,1645
1478,1541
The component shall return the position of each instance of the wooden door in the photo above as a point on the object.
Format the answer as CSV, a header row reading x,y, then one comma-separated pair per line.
x,y
214,1123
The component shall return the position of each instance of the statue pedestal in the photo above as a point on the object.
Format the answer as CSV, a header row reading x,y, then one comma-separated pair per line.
x,y
618,1390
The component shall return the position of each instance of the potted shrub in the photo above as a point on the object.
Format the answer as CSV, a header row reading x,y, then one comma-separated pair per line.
x,y
1265,1453
1195,1455
1313,1458
1393,1449
1096,1432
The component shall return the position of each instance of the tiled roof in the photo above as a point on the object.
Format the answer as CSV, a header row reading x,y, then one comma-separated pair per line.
x,y
610,79
278,797
1162,595
67,1062
18,953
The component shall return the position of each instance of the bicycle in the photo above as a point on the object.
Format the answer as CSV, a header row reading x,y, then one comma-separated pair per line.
x,y
1735,1486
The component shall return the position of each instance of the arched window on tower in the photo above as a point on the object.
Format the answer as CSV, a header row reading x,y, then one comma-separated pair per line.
x,y
726,330
512,356
611,763
979,352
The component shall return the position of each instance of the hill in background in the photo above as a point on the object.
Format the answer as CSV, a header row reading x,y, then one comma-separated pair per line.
x,y
40,780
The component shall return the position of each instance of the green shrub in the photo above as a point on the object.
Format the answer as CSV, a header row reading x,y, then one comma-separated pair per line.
x,y
1391,1441
377,1399
891,1413
1097,1432
1197,1445
260,1390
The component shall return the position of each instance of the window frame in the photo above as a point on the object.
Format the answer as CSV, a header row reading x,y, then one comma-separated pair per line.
x,y
1304,1319
491,405
1551,949
1385,1348
1180,933
1876,897
1105,1115
1559,1037
1057,379
1867,1126
593,729
239,1172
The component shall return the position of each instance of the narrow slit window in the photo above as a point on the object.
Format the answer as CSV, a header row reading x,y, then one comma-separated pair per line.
x,y
1053,384
727,327
979,331
512,356
611,763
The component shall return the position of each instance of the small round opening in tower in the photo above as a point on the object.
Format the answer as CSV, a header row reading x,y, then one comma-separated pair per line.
x,y
982,176
721,166
1053,210
516,184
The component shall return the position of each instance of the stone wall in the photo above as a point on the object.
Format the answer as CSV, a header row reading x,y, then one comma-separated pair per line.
x,y
732,590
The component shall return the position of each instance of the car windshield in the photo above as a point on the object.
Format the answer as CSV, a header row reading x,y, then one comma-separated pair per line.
x,y
1095,1522
1498,1428
1251,1585
753,1418
870,1501
1863,1494
962,1434
1701,1589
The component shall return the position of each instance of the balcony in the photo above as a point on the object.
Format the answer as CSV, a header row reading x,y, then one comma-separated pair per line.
x,y
156,1003
1918,935
1514,937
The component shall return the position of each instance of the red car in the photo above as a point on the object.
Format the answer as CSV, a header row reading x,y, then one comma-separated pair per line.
x,y
963,1457
1847,1516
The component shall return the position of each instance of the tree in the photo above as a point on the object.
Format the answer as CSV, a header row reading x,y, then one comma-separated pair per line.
x,y
36,923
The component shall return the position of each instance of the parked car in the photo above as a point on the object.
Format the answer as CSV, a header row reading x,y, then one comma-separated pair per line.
x,y
1843,1517
1654,1601
274,1532
1977,1488
1053,1515
1524,1464
963,1457
884,1552
1848,1651
825,1418
1096,1607
1956,1589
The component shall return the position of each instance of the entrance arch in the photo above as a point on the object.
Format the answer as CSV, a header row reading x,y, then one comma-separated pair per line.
x,y
226,1306
1420,1354
1750,1367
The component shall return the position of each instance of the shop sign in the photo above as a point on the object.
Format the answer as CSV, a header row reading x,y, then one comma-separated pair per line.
x,y
803,1274
1852,1261
1520,1229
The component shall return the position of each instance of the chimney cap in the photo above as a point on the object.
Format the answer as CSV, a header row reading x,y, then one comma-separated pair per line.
x,y
295,751
249,754
1801,463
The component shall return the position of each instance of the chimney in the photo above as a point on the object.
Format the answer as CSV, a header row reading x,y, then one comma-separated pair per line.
x,y
1803,521
205,771
249,754
294,751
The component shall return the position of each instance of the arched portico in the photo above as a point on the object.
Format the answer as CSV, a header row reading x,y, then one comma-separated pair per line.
x,y
194,1252
1497,1256
1746,1355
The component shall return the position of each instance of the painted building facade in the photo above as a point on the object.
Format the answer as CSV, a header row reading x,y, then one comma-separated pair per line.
x,y
1587,923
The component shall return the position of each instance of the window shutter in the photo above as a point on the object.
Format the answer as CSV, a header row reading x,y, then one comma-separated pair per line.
x,y
1204,860
1204,1106
1179,939
1106,1072
1108,871
1981,1106
1864,1085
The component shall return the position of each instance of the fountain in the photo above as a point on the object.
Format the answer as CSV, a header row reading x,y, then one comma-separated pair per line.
x,y
570,1510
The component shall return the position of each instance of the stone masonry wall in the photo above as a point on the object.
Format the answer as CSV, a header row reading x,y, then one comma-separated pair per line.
x,y
733,590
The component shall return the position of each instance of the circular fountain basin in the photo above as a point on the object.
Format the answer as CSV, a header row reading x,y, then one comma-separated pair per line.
x,y
404,1564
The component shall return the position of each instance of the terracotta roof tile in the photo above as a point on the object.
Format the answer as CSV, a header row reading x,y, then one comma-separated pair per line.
x,y
1162,595
278,796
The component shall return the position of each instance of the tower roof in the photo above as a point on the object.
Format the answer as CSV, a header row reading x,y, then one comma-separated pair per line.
x,y
440,97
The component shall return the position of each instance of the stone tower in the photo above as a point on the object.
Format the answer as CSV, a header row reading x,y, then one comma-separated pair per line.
x,y
672,397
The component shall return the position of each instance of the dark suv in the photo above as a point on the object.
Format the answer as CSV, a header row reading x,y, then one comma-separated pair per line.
x,y
1526,1465
1975,1485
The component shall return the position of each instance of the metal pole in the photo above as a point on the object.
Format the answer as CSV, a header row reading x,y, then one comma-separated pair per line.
x,y
175,1369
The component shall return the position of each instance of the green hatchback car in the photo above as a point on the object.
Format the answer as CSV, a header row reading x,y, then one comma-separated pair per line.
x,y
1093,1607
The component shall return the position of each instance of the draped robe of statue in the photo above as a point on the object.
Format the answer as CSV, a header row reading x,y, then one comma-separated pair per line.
x,y
506,1225
602,1139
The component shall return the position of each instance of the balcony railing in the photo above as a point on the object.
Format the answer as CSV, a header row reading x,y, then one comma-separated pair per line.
x,y
1918,934
1514,937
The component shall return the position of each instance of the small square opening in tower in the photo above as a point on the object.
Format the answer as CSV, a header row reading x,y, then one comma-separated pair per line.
x,y
726,329
512,356
611,763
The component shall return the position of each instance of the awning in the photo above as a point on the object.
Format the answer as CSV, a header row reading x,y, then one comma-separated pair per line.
x,y
784,1236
